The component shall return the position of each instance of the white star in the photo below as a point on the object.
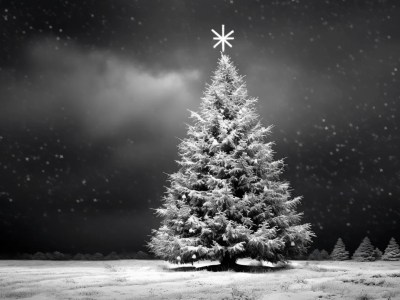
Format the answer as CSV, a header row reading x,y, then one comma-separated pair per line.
x,y
222,39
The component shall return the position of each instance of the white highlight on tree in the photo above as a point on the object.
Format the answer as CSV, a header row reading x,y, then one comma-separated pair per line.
x,y
222,38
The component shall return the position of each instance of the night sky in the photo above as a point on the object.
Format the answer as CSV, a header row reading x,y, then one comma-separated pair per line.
x,y
94,96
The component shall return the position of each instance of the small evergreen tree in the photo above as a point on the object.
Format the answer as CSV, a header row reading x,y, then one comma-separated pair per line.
x,y
79,256
97,256
324,255
377,254
315,255
57,255
39,256
49,256
392,251
226,201
112,256
339,251
364,252
142,255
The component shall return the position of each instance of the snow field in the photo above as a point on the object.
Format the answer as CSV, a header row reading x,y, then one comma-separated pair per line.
x,y
153,279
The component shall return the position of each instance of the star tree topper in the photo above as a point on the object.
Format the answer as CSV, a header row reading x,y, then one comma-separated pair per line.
x,y
222,38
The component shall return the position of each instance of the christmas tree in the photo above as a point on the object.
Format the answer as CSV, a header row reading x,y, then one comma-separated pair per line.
x,y
364,252
392,251
339,251
226,201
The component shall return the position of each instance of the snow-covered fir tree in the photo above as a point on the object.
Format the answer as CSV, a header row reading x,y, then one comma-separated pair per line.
x,y
319,255
364,252
324,255
392,251
377,254
226,201
339,252
315,255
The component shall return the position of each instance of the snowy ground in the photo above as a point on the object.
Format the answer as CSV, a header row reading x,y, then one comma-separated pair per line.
x,y
141,279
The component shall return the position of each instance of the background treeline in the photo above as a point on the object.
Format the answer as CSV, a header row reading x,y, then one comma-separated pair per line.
x,y
365,252
56,255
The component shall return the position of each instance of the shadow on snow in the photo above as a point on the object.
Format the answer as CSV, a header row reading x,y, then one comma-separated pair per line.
x,y
235,268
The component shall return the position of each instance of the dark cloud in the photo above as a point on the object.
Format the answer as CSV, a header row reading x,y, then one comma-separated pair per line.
x,y
104,91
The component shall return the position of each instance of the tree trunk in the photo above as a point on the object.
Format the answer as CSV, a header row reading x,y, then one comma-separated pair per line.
x,y
228,262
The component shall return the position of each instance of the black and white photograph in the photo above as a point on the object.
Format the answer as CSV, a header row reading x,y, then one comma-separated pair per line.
x,y
200,149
